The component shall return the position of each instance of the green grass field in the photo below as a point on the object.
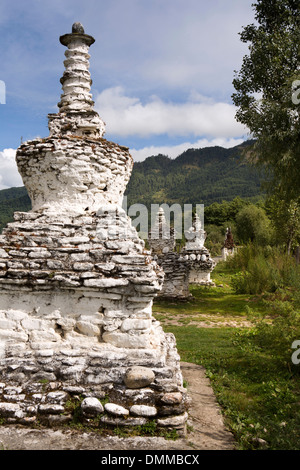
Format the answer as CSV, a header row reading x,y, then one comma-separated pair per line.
x,y
259,392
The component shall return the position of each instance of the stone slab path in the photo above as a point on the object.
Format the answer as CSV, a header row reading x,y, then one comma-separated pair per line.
x,y
206,428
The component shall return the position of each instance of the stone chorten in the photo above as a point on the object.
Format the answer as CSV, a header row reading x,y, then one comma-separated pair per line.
x,y
162,236
229,247
200,262
77,284
162,243
192,265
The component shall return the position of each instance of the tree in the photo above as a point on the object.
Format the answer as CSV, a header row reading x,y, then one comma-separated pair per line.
x,y
268,89
253,225
285,216
224,212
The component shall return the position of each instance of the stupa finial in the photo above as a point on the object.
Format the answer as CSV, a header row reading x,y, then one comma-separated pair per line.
x,y
77,115
77,33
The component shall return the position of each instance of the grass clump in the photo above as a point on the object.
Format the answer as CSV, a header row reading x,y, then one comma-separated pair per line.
x,y
263,269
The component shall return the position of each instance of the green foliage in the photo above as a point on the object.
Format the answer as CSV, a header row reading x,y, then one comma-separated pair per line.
x,y
258,394
222,213
279,391
208,175
11,200
262,270
254,282
253,225
247,221
264,88
285,216
73,406
278,336
215,239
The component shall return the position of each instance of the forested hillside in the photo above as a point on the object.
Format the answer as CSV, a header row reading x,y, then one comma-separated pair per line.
x,y
197,176
11,200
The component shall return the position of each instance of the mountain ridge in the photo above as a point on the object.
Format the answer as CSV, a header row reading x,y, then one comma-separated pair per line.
x,y
206,175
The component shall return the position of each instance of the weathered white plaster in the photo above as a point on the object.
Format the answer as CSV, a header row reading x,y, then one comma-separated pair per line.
x,y
195,235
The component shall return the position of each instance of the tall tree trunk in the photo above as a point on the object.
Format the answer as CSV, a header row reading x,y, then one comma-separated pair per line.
x,y
297,254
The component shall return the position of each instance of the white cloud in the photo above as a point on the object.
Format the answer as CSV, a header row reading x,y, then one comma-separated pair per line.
x,y
169,44
9,175
175,150
128,116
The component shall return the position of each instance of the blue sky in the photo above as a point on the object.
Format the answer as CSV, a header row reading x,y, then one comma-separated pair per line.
x,y
162,71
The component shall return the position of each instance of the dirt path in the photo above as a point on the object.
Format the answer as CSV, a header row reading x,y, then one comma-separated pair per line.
x,y
206,321
205,419
209,431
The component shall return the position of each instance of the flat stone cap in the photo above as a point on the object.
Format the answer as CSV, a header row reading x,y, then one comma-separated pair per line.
x,y
77,33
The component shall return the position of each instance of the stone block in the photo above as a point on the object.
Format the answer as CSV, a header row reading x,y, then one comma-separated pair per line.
x,y
54,264
7,324
139,377
83,266
143,410
91,406
87,328
11,335
67,324
59,397
126,340
3,253
9,409
118,421
173,421
135,324
16,315
172,398
41,336
116,410
34,324
50,409
105,283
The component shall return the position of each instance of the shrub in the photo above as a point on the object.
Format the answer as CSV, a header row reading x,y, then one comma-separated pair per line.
x,y
277,274
264,270
253,224
274,335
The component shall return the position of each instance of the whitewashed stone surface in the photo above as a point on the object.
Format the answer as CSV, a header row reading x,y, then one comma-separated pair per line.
x,y
116,410
138,377
143,410
91,406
